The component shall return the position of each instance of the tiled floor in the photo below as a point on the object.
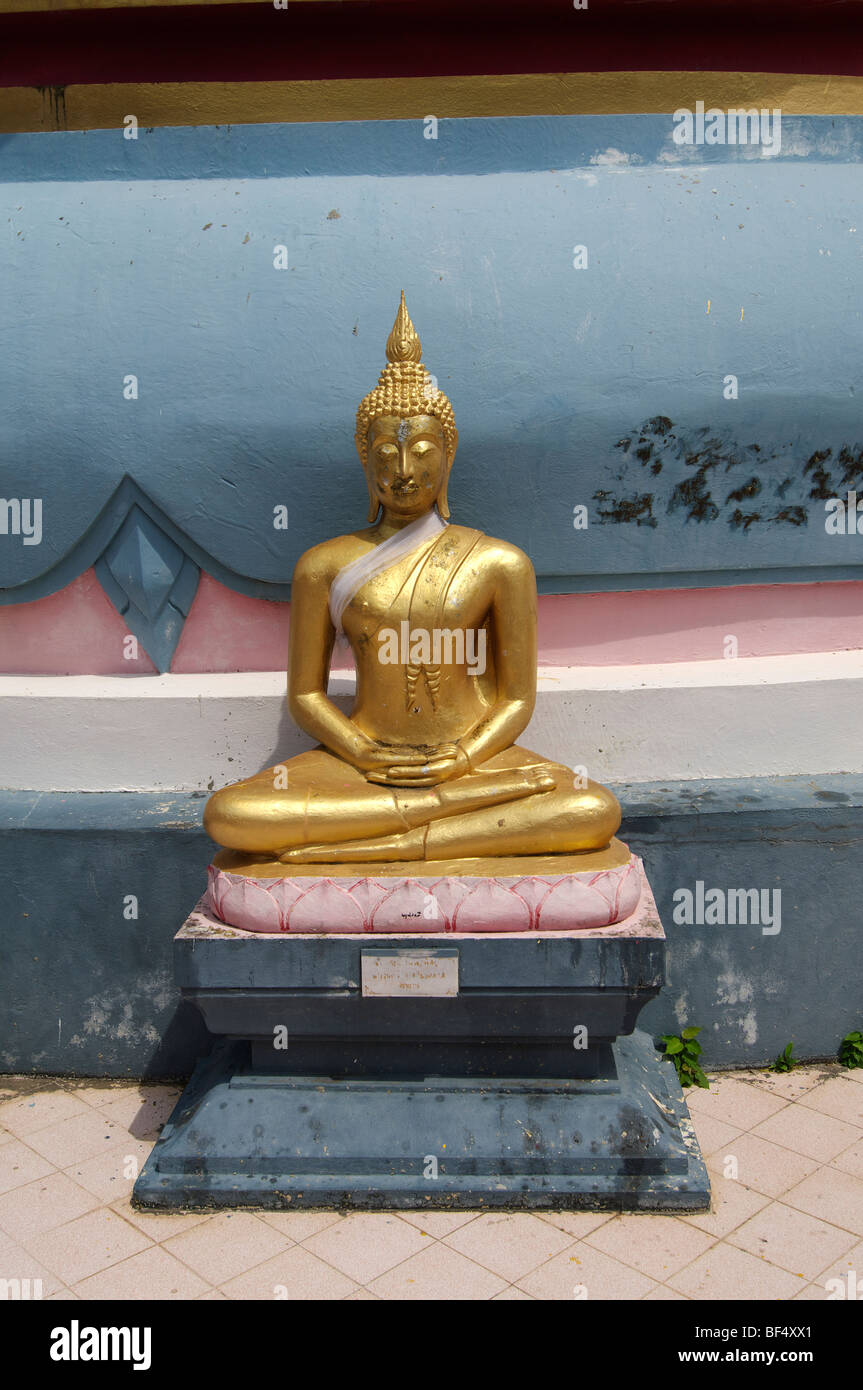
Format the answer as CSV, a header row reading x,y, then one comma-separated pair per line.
x,y
786,1161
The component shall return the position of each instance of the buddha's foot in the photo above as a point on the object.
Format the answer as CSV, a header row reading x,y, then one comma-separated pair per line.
x,y
407,845
423,807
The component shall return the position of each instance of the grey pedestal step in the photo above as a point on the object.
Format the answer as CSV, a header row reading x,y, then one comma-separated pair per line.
x,y
241,1136
517,999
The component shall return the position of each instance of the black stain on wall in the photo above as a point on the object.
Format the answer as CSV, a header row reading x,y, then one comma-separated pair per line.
x,y
693,468
637,509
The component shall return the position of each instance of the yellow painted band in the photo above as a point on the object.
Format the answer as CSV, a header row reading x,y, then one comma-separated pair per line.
x,y
90,106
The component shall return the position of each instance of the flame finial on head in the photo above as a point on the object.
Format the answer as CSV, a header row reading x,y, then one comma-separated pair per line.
x,y
403,345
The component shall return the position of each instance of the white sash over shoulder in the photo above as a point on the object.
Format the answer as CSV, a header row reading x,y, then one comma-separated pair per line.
x,y
352,578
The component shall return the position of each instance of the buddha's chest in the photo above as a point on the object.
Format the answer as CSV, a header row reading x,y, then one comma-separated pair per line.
x,y
431,601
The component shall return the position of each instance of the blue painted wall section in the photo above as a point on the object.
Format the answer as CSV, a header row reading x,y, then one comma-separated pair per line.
x,y
600,386
88,990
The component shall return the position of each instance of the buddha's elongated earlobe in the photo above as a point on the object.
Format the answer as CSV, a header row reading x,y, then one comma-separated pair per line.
x,y
374,503
442,503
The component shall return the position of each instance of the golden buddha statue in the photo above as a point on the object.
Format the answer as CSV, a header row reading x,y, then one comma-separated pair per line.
x,y
441,620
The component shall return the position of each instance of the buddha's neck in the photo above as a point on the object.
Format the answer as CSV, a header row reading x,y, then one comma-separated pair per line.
x,y
390,523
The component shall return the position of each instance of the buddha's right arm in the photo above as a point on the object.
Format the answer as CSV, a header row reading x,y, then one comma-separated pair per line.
x,y
311,645
322,721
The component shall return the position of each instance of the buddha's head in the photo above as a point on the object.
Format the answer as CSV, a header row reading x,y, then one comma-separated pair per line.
x,y
406,436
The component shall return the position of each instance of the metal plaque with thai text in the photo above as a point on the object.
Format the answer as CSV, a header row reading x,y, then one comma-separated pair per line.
x,y
406,974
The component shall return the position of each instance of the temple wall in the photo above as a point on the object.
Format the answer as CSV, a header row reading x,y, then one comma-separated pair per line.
x,y
701,627
604,387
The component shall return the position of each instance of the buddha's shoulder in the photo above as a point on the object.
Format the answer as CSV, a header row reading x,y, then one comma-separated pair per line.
x,y
502,554
323,561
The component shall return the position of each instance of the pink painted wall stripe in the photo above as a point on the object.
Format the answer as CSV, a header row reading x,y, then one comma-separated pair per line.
x,y
78,632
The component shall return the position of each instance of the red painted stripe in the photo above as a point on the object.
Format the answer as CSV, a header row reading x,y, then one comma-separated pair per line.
x,y
403,38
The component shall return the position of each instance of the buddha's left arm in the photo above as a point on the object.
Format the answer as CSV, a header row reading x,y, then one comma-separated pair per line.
x,y
513,636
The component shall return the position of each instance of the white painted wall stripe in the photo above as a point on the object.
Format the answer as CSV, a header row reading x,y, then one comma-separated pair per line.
x,y
760,716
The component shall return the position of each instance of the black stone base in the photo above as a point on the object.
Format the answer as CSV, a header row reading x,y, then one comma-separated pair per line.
x,y
243,1136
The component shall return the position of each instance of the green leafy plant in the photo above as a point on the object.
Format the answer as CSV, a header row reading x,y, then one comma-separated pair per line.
x,y
684,1051
785,1062
851,1049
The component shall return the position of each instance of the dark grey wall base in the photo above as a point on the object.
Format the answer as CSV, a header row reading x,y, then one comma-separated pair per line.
x,y
89,990
240,1137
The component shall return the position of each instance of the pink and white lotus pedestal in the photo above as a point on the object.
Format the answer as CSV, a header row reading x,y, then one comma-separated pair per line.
x,y
426,1042
535,902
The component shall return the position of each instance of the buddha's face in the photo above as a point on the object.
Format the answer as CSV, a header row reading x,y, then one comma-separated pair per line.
x,y
407,463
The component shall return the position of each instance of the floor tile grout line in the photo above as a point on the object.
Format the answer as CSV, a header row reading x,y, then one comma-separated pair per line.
x,y
762,1138
441,1240
160,1245
845,1230
726,1242
774,1143
773,1196
95,1211
113,1202
745,1129
854,1142
585,1240
243,1272
810,1279
295,1244
678,1292
801,1211
575,1240
842,1153
240,1275
438,1240
825,1165
154,1245
715,1240
825,1115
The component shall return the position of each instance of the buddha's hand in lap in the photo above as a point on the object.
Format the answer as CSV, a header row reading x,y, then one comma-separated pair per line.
x,y
420,769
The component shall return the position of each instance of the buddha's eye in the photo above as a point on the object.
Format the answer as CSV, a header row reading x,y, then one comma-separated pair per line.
x,y
386,451
419,451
